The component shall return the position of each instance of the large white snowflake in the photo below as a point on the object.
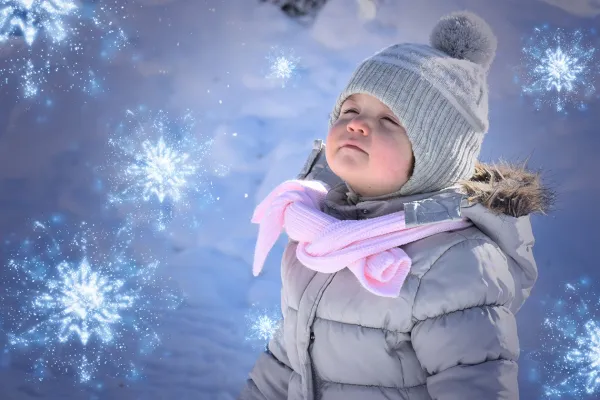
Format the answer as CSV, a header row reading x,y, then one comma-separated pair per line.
x,y
263,324
156,165
84,302
570,345
76,300
161,171
283,65
559,69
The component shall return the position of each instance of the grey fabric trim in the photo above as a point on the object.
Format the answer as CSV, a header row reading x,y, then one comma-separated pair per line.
x,y
312,158
433,210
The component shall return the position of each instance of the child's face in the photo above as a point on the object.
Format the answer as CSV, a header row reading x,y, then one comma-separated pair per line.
x,y
383,164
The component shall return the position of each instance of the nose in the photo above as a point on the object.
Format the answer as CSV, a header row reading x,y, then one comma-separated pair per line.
x,y
358,125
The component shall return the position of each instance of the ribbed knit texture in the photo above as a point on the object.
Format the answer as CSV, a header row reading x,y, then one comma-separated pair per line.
x,y
440,99
368,248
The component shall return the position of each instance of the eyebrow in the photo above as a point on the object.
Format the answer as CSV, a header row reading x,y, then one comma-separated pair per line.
x,y
347,101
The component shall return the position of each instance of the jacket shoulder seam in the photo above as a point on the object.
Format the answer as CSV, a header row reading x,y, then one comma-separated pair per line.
x,y
434,262
364,326
482,306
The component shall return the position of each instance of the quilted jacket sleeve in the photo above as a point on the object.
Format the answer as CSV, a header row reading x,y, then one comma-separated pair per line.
x,y
271,373
268,379
465,336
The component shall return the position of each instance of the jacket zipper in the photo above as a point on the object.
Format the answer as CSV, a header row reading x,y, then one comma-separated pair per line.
x,y
311,389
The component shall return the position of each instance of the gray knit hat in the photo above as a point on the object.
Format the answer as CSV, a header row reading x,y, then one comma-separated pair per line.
x,y
440,95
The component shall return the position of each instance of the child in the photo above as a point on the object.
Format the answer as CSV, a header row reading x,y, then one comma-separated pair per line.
x,y
402,280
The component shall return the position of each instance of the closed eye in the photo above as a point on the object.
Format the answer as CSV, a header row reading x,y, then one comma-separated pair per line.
x,y
352,110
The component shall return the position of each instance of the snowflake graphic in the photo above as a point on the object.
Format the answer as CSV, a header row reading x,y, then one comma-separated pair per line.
x,y
263,325
559,69
283,65
156,165
57,37
83,303
161,171
27,17
77,301
570,345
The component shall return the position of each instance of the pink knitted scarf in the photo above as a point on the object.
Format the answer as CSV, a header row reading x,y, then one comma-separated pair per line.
x,y
368,248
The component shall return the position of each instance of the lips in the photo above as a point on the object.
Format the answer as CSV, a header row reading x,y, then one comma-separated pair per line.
x,y
352,145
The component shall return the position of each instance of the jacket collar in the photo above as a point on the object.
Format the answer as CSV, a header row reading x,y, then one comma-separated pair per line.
x,y
502,189
343,203
497,199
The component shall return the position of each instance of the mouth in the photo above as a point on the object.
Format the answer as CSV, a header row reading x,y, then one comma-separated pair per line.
x,y
353,147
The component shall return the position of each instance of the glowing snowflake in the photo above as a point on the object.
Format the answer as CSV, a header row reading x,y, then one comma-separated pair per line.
x,y
559,69
157,166
79,302
27,17
44,37
570,351
283,65
83,303
263,325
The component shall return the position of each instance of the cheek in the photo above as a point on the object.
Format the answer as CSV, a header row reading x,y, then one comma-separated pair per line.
x,y
329,145
329,142
391,161
334,134
337,128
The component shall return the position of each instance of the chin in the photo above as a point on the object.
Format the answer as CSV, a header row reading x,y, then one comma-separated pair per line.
x,y
345,175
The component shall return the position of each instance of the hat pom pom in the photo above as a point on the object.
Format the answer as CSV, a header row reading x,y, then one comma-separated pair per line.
x,y
465,36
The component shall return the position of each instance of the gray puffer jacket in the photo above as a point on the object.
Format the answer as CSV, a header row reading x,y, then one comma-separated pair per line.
x,y
450,335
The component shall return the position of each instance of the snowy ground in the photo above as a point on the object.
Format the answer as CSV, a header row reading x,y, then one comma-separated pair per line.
x,y
215,54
